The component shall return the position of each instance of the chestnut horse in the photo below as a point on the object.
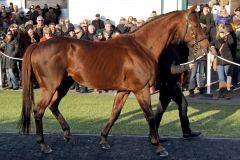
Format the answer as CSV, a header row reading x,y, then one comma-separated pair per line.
x,y
126,64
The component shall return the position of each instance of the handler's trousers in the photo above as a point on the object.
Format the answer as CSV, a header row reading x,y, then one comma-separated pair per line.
x,y
173,92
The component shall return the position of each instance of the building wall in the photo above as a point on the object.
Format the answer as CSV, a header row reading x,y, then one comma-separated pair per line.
x,y
191,2
174,5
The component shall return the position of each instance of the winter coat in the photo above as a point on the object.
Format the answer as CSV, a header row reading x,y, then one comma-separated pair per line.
x,y
12,50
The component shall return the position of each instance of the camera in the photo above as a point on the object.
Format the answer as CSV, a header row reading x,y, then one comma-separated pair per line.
x,y
2,35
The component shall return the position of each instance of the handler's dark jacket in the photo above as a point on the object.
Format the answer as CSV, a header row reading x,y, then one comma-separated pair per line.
x,y
169,68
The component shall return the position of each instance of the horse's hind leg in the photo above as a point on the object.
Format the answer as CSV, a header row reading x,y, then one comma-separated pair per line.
x,y
59,94
119,101
144,100
43,102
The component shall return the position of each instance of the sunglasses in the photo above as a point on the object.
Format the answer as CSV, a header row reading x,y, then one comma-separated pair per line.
x,y
40,20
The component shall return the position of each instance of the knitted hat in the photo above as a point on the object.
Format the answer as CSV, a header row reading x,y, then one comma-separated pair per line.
x,y
99,32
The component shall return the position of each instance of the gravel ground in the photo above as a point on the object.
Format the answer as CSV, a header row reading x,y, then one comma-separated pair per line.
x,y
86,147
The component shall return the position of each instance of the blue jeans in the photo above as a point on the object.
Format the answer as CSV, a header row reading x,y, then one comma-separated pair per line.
x,y
222,71
11,77
198,68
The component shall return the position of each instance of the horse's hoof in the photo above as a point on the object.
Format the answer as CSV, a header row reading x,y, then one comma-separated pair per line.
x,y
67,139
67,135
105,146
46,149
163,153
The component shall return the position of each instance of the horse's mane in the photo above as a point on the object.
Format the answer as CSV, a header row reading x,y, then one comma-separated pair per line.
x,y
155,18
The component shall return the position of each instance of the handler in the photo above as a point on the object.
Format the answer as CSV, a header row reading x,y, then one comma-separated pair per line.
x,y
168,78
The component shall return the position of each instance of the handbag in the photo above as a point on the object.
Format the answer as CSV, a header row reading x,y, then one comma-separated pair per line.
x,y
215,61
214,65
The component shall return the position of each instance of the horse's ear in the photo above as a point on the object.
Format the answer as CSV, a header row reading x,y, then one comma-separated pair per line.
x,y
192,9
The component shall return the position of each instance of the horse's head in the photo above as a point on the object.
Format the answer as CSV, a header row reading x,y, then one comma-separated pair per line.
x,y
192,33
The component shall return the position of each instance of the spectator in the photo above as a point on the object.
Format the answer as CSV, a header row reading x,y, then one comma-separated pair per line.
x,y
11,49
50,16
27,38
45,10
58,12
38,28
36,13
223,17
2,59
237,56
58,31
28,22
154,13
79,35
134,25
98,23
129,23
78,32
20,19
206,20
61,22
67,27
106,35
116,33
108,30
47,34
91,33
29,14
72,34
152,16
84,24
215,10
14,29
122,25
4,18
200,68
222,42
140,23
53,29
236,14
99,35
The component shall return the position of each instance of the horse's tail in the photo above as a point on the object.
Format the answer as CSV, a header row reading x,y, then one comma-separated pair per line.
x,y
27,91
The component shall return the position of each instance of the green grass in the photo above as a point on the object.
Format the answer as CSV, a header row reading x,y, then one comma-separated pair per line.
x,y
89,113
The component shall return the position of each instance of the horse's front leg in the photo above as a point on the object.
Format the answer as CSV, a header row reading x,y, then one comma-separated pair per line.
x,y
119,101
144,100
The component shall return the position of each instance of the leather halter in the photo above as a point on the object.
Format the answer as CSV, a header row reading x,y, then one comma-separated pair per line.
x,y
194,43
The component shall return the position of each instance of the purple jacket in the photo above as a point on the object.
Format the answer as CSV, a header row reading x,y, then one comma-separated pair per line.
x,y
224,20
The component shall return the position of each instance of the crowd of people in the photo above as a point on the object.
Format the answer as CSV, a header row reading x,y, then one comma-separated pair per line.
x,y
20,29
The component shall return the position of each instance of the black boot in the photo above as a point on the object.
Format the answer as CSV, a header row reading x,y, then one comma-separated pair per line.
x,y
191,93
227,94
221,93
202,90
192,134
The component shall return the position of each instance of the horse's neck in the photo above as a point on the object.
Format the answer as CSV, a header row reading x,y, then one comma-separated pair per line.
x,y
157,34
